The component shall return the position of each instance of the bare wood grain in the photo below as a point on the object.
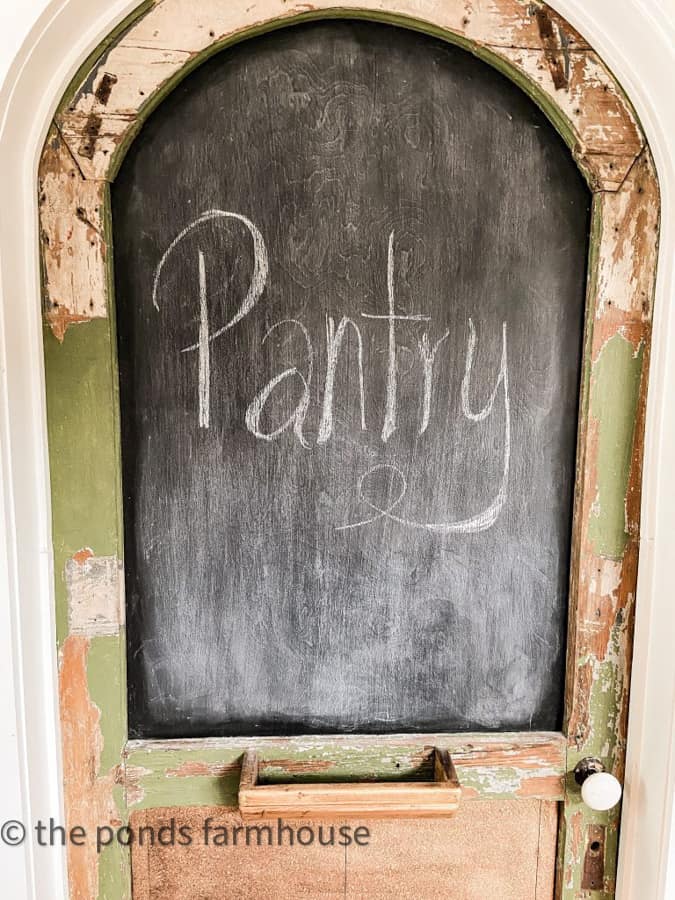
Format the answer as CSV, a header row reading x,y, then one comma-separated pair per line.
x,y
385,799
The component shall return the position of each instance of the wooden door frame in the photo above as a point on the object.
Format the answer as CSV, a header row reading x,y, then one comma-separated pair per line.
x,y
101,113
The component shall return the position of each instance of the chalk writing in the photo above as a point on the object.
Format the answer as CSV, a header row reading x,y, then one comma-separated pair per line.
x,y
486,517
297,418
389,426
257,286
428,351
333,345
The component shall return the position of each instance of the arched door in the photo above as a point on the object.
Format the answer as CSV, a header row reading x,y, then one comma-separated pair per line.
x,y
373,459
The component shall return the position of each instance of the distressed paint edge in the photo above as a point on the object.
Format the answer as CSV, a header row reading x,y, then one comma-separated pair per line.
x,y
93,59
492,54
170,773
607,691
98,789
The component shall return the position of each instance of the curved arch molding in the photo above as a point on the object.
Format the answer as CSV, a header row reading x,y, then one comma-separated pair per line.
x,y
105,778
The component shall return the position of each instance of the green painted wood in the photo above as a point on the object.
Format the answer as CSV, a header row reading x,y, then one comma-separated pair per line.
x,y
206,773
83,458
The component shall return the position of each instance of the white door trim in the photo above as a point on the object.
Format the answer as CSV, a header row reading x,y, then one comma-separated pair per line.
x,y
637,40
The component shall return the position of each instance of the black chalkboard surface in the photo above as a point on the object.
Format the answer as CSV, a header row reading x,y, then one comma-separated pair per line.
x,y
350,265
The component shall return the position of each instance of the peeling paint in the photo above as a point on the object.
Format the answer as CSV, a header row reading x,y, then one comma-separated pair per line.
x,y
528,40
94,586
73,249
204,772
89,792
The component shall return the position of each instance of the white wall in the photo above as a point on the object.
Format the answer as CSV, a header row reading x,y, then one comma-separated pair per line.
x,y
41,44
15,23
15,863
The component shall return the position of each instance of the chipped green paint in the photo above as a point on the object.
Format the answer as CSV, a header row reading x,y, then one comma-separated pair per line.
x,y
615,389
601,742
114,863
571,888
85,477
159,777
160,790
82,449
165,776
114,873
107,689
611,853
602,745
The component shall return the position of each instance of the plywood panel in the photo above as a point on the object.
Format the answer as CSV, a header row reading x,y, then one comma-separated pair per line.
x,y
490,849
335,524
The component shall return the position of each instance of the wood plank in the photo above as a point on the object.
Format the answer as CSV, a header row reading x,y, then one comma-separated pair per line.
x,y
397,801
206,771
73,243
540,48
439,797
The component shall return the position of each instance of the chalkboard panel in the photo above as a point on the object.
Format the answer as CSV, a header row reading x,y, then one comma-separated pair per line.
x,y
350,265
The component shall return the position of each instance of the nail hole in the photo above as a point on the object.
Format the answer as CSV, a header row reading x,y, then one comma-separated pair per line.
x,y
595,846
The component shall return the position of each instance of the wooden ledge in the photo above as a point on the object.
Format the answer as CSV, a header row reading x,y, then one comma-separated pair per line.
x,y
384,799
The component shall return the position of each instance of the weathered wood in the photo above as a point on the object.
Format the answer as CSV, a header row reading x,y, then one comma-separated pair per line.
x,y
444,768
534,45
621,286
530,39
372,801
201,772
604,135
605,551
74,250
249,771
95,587
394,799
88,793
89,608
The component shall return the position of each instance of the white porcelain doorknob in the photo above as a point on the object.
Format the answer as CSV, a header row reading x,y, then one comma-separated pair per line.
x,y
599,789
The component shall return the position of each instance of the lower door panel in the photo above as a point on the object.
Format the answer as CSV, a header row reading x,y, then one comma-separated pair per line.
x,y
490,850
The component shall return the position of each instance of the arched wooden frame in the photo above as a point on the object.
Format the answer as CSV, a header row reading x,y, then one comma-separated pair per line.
x,y
107,778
